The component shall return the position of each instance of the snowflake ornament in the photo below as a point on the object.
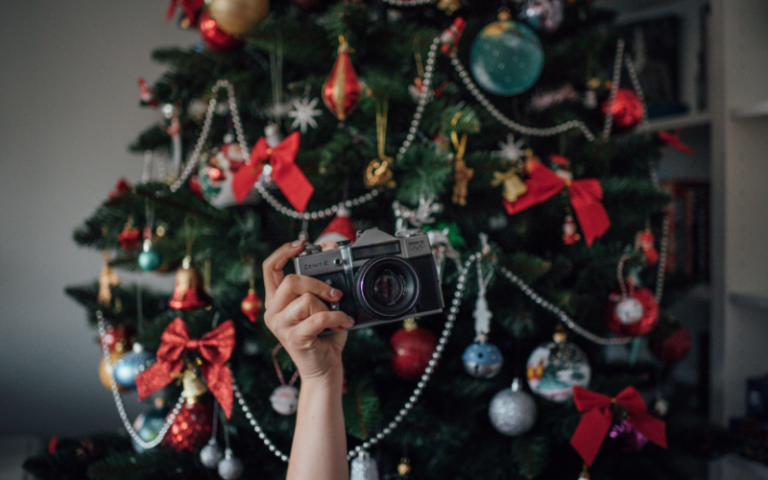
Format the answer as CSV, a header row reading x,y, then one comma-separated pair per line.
x,y
304,113
511,150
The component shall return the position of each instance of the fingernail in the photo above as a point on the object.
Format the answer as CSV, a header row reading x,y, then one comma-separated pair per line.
x,y
334,293
351,321
297,243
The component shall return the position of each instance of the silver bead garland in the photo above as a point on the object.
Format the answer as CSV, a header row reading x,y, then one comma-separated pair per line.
x,y
616,79
425,377
509,123
119,401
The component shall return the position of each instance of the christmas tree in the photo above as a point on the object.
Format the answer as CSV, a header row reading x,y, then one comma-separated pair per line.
x,y
506,131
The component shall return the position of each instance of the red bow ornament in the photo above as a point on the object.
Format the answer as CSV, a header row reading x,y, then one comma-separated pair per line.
x,y
286,174
598,416
585,195
214,347
673,140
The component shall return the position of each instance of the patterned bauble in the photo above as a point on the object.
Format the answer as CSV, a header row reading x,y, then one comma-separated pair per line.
x,y
216,174
191,427
210,454
230,467
149,258
626,438
633,315
482,360
148,426
363,467
413,347
132,364
341,90
285,399
555,367
512,411
627,109
238,16
506,58
106,372
252,305
672,348
214,38
543,14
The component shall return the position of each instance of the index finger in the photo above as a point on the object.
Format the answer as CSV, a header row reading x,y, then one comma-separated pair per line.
x,y
273,266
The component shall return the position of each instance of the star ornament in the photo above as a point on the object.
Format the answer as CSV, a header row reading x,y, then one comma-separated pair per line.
x,y
511,150
304,113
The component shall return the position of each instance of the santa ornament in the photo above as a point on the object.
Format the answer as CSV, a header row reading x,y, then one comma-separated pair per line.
x,y
340,229
217,173
633,312
645,243
450,37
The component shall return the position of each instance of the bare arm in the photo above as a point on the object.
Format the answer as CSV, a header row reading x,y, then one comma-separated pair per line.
x,y
296,315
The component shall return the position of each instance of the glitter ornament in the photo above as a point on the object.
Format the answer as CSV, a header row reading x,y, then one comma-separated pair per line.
x,y
230,467
512,411
363,467
627,438
285,399
554,368
543,14
189,293
482,360
252,305
238,16
191,427
210,454
632,315
506,58
673,348
627,109
148,426
132,364
413,347
217,172
214,38
106,372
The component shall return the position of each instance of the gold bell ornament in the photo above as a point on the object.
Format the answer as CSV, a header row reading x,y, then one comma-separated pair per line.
x,y
189,293
513,188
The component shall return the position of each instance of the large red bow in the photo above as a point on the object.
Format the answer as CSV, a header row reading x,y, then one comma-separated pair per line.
x,y
214,347
286,174
598,416
585,196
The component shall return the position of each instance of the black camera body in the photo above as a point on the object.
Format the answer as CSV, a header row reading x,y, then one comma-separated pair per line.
x,y
383,278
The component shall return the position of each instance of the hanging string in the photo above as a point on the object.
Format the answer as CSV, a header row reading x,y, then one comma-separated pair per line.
x,y
620,274
459,145
279,371
190,233
382,109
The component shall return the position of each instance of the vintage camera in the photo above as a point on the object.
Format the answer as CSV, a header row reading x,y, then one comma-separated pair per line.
x,y
383,278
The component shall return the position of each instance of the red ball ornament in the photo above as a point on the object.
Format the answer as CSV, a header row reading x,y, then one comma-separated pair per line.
x,y
191,428
627,109
413,347
214,38
252,305
634,315
673,348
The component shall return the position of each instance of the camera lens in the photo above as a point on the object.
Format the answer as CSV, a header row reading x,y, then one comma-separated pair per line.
x,y
386,287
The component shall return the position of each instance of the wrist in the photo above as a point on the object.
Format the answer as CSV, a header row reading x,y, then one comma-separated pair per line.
x,y
333,378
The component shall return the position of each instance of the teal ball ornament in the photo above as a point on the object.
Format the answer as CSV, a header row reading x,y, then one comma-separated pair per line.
x,y
149,258
482,360
148,426
130,365
506,58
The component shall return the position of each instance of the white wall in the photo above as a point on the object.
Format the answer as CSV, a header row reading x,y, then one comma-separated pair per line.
x,y
68,109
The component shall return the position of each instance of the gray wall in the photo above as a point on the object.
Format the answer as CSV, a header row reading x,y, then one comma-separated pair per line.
x,y
68,109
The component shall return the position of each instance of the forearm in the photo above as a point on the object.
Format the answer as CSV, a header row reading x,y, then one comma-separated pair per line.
x,y
319,449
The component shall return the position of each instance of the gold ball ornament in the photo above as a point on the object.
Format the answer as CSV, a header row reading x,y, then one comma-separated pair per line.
x,y
238,16
404,468
106,373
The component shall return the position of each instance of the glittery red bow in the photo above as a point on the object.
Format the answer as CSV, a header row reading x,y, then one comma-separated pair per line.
x,y
598,416
286,174
214,347
585,195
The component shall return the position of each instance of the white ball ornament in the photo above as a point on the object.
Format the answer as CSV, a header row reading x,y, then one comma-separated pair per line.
x,y
211,454
230,467
512,411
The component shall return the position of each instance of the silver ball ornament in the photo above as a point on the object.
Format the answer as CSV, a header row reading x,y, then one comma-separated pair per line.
x,y
364,467
211,454
230,467
512,411
482,360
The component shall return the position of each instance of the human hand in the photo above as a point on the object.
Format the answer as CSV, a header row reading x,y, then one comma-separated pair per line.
x,y
296,315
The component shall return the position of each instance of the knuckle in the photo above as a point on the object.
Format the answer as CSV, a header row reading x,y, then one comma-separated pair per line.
x,y
292,281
